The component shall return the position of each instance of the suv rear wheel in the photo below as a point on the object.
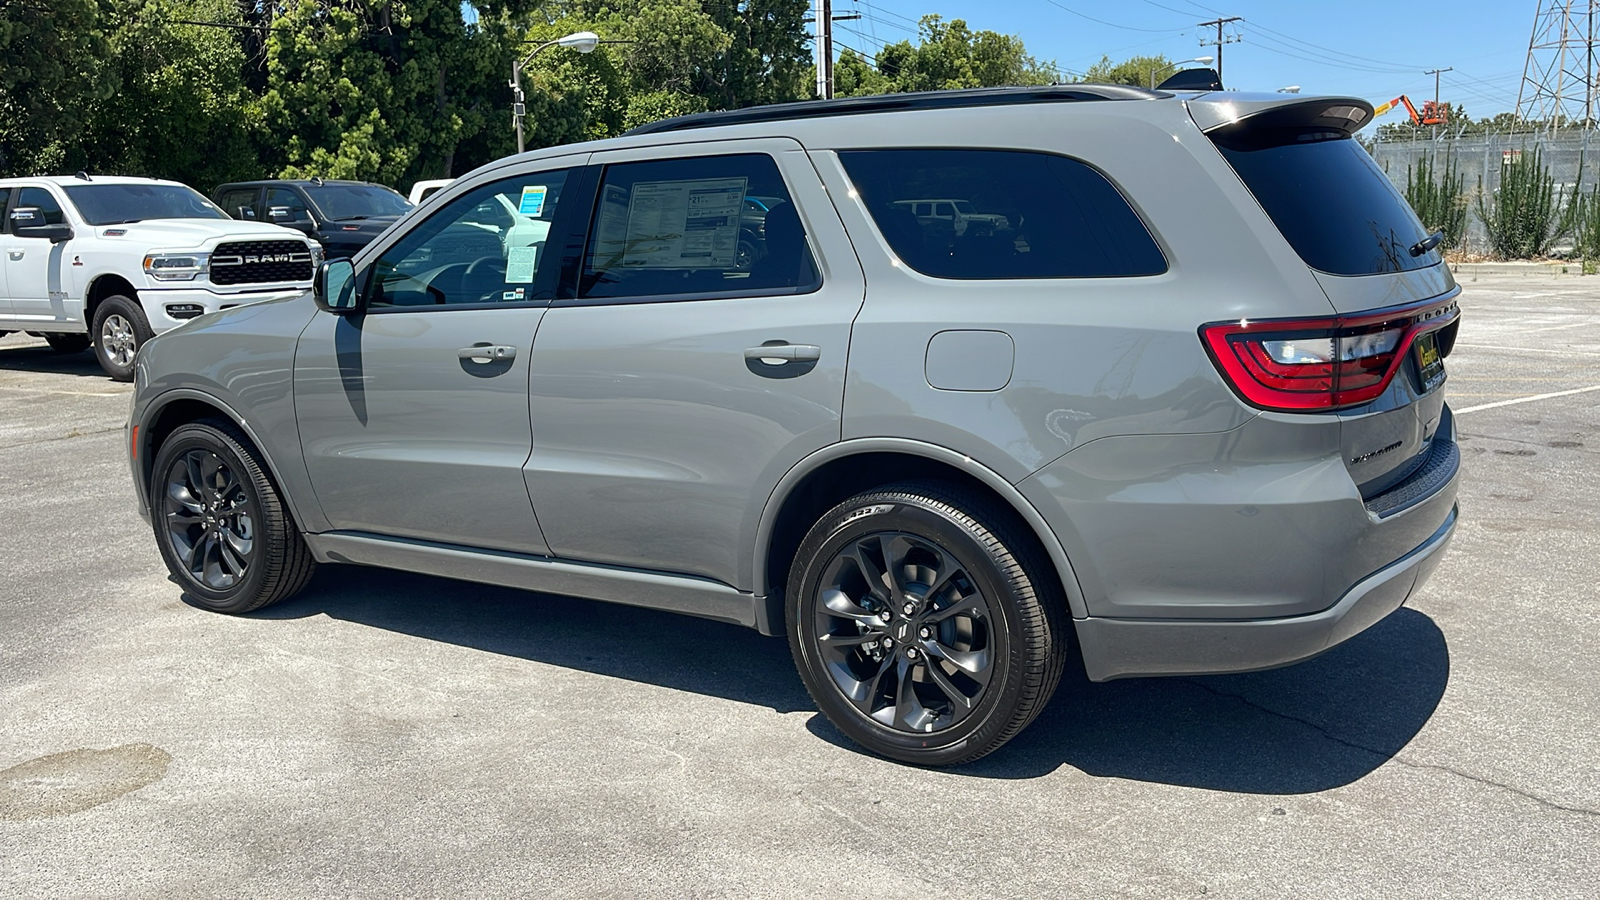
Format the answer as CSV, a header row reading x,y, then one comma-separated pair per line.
x,y
119,330
223,530
926,626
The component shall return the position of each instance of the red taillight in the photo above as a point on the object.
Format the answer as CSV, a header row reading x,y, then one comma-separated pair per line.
x,y
1316,364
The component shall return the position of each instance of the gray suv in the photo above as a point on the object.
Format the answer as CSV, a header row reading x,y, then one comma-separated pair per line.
x,y
1184,413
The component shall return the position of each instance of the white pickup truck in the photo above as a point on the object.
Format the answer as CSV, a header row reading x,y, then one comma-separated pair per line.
x,y
111,261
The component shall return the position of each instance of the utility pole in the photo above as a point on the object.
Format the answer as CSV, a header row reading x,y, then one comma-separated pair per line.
x,y
1219,22
1435,74
823,16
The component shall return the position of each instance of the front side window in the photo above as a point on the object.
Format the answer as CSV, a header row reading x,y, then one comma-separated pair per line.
x,y
672,228
45,202
119,204
1022,214
486,246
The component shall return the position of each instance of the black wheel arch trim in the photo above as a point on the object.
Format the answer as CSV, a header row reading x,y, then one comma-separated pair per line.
x,y
151,412
769,597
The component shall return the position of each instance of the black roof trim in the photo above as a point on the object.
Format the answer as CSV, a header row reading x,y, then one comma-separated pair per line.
x,y
853,106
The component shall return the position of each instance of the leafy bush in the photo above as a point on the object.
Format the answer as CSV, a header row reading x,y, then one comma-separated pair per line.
x,y
1523,216
1585,220
1439,201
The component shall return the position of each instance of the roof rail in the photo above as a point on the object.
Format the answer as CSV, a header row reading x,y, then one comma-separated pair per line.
x,y
851,106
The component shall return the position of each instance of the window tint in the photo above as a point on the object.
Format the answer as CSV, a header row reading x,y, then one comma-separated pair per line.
x,y
675,227
46,203
1001,214
5,198
1335,206
116,204
282,202
486,246
239,203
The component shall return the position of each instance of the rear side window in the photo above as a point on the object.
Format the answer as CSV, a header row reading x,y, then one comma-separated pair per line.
x,y
989,214
1330,200
682,227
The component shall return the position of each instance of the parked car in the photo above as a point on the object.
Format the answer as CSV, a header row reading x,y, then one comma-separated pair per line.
x,y
110,261
955,217
422,190
1188,415
343,216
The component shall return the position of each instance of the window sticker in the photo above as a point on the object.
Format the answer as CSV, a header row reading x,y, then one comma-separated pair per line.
x,y
520,264
532,200
678,225
512,295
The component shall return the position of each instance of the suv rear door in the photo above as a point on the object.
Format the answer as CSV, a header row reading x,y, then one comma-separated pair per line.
x,y
661,424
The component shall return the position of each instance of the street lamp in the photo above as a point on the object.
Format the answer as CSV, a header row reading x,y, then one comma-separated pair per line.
x,y
581,41
1203,60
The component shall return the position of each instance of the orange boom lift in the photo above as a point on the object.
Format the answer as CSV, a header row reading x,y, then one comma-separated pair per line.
x,y
1433,112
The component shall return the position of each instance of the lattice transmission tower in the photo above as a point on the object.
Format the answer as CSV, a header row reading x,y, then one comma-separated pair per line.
x,y
1558,80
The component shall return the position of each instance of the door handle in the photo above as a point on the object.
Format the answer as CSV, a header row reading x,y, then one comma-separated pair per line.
x,y
780,353
487,352
17,254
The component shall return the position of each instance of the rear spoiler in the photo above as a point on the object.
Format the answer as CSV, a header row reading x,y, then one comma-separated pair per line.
x,y
1221,115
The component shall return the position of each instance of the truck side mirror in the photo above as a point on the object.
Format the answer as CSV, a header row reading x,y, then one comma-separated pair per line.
x,y
29,222
334,288
244,213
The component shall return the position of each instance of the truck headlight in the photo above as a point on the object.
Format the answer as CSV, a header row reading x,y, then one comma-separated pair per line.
x,y
317,255
176,266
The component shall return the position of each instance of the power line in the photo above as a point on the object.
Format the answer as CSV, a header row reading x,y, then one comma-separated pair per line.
x,y
1113,24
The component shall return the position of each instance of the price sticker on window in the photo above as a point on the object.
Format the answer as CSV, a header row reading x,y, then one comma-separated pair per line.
x,y
532,200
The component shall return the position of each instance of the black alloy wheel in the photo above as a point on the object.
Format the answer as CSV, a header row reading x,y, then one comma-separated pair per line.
x,y
904,632
222,527
926,622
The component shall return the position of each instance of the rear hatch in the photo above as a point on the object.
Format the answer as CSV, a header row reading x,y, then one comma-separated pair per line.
x,y
1379,361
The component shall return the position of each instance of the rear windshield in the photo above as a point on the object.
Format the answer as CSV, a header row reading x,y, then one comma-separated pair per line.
x,y
116,204
1328,197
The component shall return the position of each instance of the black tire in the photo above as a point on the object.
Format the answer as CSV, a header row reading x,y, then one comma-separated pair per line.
x,y
67,343
973,590
224,531
118,331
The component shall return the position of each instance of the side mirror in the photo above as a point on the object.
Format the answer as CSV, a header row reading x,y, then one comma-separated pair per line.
x,y
244,213
279,215
334,288
28,222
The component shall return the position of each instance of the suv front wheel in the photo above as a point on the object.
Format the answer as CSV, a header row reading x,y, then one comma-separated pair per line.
x,y
223,530
925,624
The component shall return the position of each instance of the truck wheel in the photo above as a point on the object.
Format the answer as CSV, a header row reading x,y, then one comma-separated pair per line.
x,y
67,343
223,529
926,625
120,329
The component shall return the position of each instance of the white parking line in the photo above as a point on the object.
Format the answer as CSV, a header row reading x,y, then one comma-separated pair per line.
x,y
1513,402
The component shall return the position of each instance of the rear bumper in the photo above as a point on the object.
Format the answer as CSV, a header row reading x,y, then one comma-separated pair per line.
x,y
1126,648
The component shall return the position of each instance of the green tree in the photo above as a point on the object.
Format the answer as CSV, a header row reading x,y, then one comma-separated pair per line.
x,y
181,110
947,55
1138,71
52,60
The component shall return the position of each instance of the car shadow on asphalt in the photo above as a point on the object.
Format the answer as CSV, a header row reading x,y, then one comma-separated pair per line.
x,y
1301,729
44,360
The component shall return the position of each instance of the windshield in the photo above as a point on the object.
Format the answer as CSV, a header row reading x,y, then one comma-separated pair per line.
x,y
1328,197
357,201
113,204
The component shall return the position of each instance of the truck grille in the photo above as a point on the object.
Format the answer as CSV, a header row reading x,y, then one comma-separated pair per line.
x,y
260,262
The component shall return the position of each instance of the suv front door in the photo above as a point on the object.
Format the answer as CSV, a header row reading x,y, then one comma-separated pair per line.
x,y
661,427
414,416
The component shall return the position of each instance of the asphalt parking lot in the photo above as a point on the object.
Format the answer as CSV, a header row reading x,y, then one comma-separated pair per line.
x,y
392,735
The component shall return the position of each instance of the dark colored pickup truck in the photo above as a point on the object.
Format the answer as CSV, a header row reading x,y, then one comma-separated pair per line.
x,y
343,216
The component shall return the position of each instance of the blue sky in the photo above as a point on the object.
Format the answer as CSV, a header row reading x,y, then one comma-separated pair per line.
x,y
1370,49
